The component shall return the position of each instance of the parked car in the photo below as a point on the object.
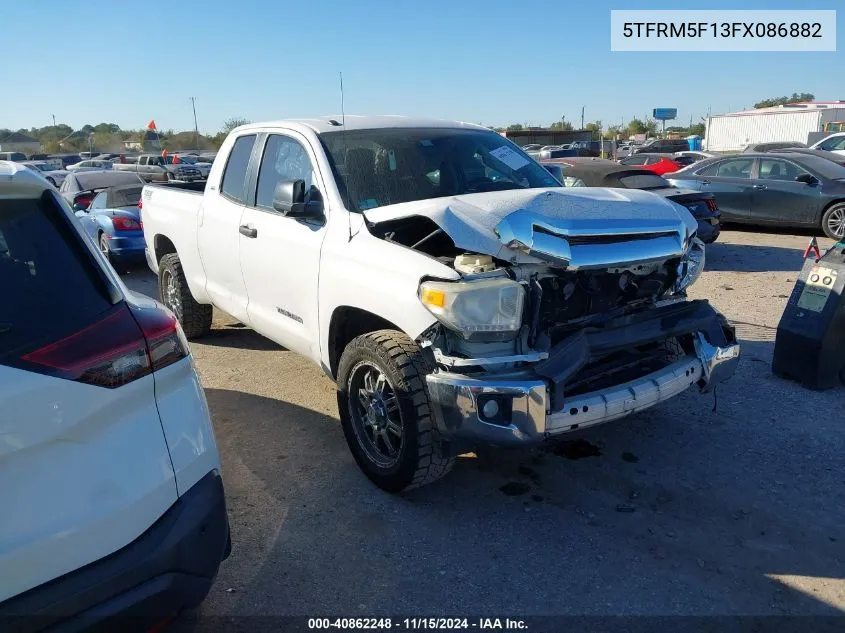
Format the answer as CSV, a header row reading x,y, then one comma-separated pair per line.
x,y
65,159
80,187
772,146
92,164
658,163
189,159
693,155
786,188
624,150
15,157
464,296
662,146
701,205
833,143
54,176
532,147
110,483
153,167
113,221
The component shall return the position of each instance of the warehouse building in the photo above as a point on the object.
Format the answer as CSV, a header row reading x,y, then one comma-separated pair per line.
x,y
802,122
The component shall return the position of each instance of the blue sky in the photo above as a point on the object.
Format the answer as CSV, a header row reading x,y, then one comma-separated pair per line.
x,y
493,62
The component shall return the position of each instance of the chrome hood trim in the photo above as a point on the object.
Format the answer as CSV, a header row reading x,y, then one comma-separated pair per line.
x,y
579,227
566,244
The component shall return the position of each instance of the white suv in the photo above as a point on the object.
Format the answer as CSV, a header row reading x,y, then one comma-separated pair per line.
x,y
111,498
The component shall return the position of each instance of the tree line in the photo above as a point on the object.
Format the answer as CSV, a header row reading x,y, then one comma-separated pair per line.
x,y
109,137
649,127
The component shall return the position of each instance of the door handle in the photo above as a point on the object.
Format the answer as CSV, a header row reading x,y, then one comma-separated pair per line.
x,y
247,230
705,182
759,186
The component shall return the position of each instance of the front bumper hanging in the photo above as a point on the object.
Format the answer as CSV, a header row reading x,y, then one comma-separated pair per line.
x,y
523,411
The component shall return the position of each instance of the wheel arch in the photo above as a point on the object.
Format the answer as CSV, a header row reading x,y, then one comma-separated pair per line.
x,y
162,245
346,323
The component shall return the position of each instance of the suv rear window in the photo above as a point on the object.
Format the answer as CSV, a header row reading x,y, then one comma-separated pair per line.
x,y
49,283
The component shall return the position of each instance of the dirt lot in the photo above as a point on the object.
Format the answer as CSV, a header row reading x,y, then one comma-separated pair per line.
x,y
680,510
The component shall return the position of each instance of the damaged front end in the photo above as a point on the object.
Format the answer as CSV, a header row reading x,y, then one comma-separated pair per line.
x,y
594,326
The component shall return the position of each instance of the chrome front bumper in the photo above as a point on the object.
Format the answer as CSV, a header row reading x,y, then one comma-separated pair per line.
x,y
457,400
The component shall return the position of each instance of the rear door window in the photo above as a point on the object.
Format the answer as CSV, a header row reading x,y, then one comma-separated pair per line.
x,y
50,284
733,168
234,177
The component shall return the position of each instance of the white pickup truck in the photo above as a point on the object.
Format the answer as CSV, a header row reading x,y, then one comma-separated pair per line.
x,y
453,290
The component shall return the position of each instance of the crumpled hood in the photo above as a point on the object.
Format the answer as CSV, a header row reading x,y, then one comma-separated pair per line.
x,y
475,221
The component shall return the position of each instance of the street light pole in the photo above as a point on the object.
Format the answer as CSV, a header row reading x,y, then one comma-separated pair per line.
x,y
196,127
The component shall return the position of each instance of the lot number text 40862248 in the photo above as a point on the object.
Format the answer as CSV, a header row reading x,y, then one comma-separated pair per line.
x,y
418,624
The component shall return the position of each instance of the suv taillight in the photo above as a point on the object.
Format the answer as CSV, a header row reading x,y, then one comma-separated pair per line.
x,y
711,204
127,344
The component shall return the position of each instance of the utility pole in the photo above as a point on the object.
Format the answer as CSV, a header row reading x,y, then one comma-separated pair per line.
x,y
196,127
582,117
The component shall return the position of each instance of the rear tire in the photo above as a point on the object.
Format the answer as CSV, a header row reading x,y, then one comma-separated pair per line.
x,y
103,243
389,429
833,222
173,292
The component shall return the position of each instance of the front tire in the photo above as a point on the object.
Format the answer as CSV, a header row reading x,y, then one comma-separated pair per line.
x,y
833,222
173,291
386,414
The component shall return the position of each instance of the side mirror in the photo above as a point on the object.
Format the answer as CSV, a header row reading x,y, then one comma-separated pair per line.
x,y
78,206
807,179
290,199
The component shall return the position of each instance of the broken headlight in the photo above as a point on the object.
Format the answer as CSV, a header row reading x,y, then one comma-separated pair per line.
x,y
692,263
487,309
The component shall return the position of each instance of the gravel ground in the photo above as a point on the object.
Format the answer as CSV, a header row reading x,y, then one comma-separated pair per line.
x,y
695,507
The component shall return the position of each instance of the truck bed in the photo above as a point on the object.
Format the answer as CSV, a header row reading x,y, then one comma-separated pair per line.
x,y
172,209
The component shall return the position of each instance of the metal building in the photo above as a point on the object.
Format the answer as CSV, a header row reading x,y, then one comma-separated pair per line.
x,y
801,122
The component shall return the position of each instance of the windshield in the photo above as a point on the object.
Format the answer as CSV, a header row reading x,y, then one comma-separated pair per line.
x,y
824,167
644,181
385,166
45,167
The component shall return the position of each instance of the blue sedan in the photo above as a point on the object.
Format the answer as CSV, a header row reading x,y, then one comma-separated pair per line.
x,y
113,220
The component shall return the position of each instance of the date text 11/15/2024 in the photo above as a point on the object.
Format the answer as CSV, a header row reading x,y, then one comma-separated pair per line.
x,y
418,624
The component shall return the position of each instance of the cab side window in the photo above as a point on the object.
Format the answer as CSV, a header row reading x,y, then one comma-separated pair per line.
x,y
234,176
284,159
